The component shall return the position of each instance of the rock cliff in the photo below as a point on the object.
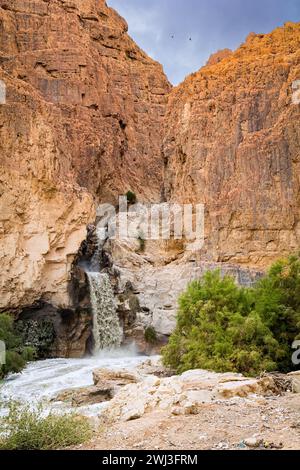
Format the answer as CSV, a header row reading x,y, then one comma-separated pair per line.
x,y
81,124
87,116
232,142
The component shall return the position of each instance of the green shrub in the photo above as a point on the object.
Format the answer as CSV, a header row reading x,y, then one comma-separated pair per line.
x,y
224,327
16,353
26,429
142,242
278,304
131,197
150,335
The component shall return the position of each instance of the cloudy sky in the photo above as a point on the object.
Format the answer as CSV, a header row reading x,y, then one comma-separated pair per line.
x,y
211,25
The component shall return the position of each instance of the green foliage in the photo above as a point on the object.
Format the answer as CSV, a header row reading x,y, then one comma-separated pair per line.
x,y
150,335
16,353
26,429
39,335
224,327
131,197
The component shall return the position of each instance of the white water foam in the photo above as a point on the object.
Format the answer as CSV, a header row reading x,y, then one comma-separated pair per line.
x,y
41,381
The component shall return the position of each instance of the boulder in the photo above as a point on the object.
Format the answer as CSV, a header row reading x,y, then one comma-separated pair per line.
x,y
82,124
295,377
245,387
117,378
183,395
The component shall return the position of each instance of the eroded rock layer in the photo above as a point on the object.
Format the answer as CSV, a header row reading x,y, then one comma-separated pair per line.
x,y
232,142
81,123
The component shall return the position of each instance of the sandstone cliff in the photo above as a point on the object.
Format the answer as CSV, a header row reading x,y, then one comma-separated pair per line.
x,y
232,142
89,116
81,124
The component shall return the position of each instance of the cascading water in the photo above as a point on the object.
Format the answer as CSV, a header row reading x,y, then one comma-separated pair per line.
x,y
42,381
107,332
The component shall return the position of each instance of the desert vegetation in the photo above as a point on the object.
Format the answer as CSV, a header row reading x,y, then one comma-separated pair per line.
x,y
16,353
29,429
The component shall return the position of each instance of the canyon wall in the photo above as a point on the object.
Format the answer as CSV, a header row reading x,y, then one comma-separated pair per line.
x,y
232,142
88,116
81,124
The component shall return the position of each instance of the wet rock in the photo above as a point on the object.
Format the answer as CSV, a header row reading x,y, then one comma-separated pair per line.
x,y
245,387
107,383
56,332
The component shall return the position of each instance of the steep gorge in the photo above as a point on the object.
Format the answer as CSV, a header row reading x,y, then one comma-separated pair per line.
x,y
89,116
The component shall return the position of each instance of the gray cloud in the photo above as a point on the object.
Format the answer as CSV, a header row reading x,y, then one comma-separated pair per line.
x,y
211,24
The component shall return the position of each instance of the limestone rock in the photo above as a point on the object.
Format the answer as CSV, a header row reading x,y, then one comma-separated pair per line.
x,y
232,142
107,383
86,395
157,276
117,377
218,56
153,366
295,377
183,395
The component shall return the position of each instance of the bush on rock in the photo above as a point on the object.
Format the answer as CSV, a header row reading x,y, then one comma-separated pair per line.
x,y
227,328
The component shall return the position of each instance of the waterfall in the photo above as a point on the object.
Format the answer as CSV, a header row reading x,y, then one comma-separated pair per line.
x,y
106,328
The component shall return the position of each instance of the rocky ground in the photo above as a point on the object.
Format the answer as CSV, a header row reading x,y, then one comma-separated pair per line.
x,y
197,410
218,426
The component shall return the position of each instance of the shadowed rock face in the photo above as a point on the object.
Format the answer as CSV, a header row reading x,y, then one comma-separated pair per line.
x,y
81,123
232,142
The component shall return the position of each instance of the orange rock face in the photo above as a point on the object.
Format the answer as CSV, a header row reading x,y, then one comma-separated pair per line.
x,y
232,142
86,116
82,123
